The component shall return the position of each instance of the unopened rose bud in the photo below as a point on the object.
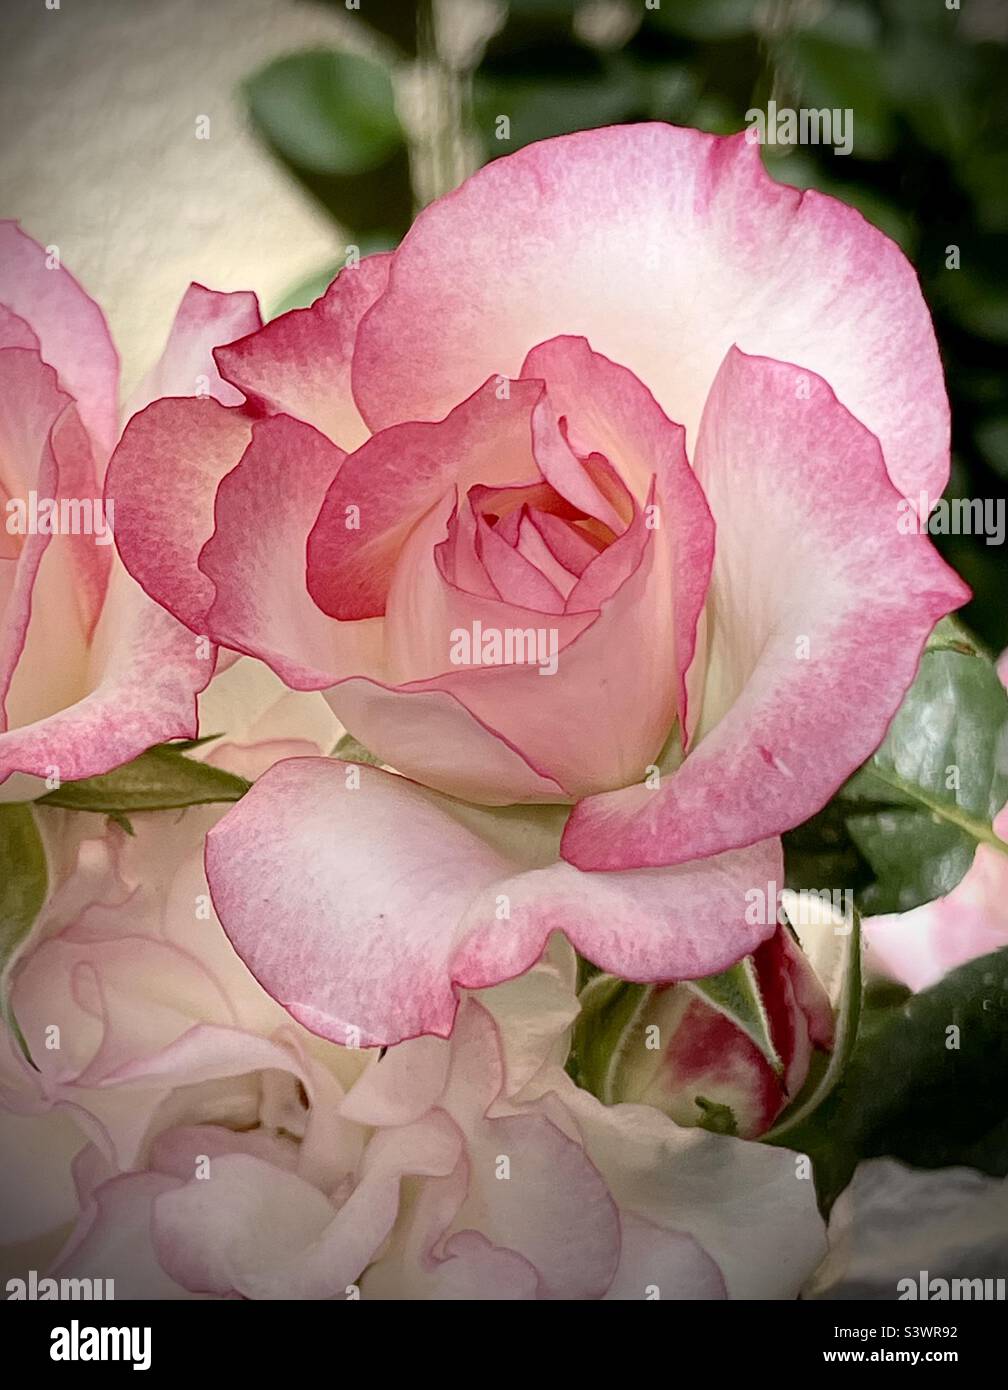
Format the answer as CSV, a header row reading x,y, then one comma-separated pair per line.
x,y
684,1056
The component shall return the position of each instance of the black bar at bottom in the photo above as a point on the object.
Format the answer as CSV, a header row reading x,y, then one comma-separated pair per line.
x,y
294,1340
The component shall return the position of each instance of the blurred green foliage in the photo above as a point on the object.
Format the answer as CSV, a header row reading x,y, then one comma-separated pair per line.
x,y
330,118
928,86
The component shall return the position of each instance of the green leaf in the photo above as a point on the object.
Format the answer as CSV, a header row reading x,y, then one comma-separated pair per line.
x,y
919,833
161,779
24,882
917,1091
326,111
352,751
842,977
603,1029
736,994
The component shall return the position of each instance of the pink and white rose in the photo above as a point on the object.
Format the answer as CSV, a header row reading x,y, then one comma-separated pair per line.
x,y
192,1140
91,671
621,406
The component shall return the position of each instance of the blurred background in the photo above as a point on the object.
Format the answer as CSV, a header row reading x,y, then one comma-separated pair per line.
x,y
249,143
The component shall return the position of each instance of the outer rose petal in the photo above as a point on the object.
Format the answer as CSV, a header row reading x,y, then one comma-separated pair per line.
x,y
663,247
165,513
14,332
740,1201
255,560
300,362
147,673
807,521
38,433
379,935
203,319
675,1265
70,329
163,479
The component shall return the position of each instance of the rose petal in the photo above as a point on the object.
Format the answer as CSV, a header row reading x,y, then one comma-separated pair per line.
x,y
70,328
186,367
255,560
710,251
655,1263
151,671
749,1206
299,364
163,479
396,477
425,895
612,413
788,473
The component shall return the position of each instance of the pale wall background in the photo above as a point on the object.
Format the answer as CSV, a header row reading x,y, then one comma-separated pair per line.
x,y
98,153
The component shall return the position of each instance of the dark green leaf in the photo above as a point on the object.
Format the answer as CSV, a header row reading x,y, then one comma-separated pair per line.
x,y
917,1090
705,19
915,826
159,780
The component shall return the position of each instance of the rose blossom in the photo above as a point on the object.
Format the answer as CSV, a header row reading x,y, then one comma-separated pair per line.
x,y
91,672
223,1150
622,401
